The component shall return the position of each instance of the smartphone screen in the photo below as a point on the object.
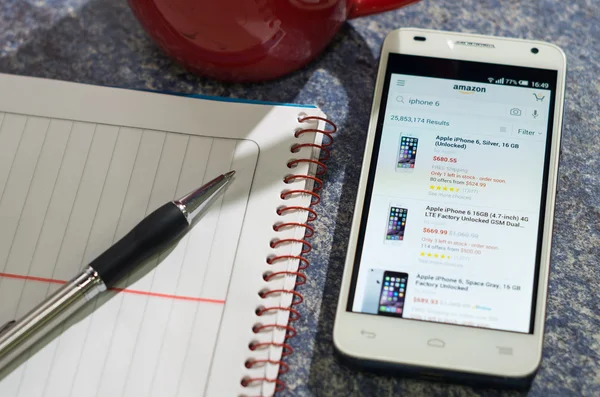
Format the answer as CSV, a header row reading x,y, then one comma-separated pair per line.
x,y
407,153
476,196
393,294
396,223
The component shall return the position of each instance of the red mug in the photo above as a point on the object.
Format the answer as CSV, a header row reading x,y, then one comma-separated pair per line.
x,y
248,40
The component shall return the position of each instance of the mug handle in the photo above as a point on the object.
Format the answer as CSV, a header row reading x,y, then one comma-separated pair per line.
x,y
368,7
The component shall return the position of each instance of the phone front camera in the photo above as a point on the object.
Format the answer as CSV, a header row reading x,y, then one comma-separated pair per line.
x,y
535,50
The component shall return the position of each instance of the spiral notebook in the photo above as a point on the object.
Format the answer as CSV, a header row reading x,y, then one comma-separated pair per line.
x,y
80,165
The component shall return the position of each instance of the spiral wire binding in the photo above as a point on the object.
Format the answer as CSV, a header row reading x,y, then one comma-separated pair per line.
x,y
301,277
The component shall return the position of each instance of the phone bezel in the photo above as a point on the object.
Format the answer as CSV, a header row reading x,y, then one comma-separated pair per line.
x,y
413,349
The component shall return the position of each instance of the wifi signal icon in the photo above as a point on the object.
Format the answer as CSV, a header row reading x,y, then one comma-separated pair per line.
x,y
491,79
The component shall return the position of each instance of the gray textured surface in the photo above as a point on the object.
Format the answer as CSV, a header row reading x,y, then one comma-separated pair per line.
x,y
99,42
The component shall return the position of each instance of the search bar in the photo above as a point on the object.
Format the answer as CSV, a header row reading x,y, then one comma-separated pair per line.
x,y
457,106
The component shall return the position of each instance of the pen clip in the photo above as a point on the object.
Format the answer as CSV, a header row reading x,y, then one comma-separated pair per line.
x,y
7,326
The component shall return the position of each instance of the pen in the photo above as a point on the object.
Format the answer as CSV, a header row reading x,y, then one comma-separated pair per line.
x,y
147,238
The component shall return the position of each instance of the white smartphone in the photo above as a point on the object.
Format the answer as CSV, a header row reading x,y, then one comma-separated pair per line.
x,y
471,300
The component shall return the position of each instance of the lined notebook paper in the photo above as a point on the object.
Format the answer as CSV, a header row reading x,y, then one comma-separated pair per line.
x,y
78,170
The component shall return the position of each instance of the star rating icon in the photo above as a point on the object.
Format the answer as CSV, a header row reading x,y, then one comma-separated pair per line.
x,y
444,188
434,255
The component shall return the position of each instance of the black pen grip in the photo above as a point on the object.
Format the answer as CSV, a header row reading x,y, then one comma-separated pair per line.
x,y
147,238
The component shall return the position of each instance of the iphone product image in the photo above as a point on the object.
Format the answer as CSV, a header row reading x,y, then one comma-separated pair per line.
x,y
473,99
393,293
395,224
407,153
372,291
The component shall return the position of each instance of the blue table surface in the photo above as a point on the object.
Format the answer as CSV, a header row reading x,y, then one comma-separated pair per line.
x,y
100,42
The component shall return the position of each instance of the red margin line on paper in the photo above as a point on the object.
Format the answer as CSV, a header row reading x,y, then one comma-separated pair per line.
x,y
125,290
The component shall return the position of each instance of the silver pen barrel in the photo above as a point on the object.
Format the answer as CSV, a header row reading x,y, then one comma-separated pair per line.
x,y
18,337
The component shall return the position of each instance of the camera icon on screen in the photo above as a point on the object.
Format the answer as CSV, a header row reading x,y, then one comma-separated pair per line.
x,y
515,112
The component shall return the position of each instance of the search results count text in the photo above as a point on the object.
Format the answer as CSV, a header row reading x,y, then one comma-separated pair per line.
x,y
419,120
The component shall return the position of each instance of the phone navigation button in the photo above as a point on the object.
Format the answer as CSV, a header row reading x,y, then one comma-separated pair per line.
x,y
368,334
436,343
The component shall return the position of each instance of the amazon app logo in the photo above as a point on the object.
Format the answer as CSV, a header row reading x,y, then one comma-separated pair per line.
x,y
468,89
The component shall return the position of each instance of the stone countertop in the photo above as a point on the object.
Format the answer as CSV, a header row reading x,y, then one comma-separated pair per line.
x,y
100,42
